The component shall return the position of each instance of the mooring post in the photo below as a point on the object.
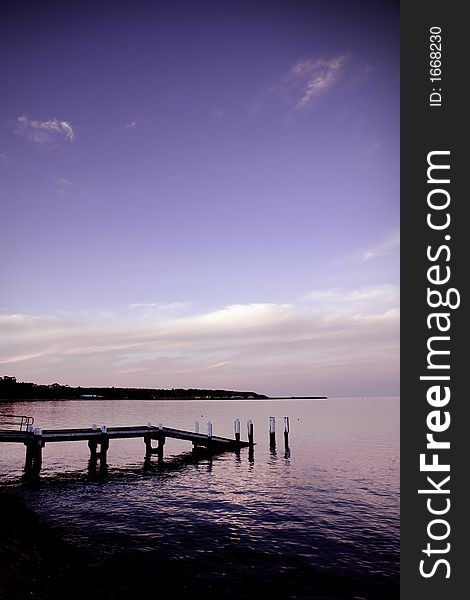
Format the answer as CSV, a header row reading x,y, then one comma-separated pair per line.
x,y
237,429
272,432
251,442
286,433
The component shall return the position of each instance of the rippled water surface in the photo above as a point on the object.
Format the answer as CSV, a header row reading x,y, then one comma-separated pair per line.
x,y
320,521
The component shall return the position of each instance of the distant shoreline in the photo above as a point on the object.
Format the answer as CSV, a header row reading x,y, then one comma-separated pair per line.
x,y
184,399
12,390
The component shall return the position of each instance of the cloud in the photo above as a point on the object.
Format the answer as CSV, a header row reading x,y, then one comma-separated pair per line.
x,y
44,132
131,124
65,187
235,346
390,246
309,78
359,302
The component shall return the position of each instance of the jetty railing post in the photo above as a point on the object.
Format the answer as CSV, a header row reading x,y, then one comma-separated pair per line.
x,y
286,433
272,432
236,426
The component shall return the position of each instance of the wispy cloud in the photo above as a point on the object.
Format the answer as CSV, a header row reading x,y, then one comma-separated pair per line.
x,y
388,247
363,301
44,132
131,124
309,78
232,346
64,187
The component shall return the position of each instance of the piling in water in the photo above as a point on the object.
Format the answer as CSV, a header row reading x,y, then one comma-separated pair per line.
x,y
251,441
236,426
286,433
272,432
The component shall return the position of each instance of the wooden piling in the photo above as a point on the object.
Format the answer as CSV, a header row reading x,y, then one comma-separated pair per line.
x,y
286,433
272,432
104,447
148,447
161,443
251,441
195,444
33,459
237,430
93,446
209,437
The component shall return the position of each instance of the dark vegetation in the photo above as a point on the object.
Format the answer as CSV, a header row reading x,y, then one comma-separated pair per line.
x,y
11,389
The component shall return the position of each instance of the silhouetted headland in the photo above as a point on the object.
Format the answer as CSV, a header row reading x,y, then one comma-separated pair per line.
x,y
11,389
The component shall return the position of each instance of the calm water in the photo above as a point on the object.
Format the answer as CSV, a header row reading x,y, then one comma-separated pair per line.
x,y
319,522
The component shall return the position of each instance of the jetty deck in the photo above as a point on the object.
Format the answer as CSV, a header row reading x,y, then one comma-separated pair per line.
x,y
99,439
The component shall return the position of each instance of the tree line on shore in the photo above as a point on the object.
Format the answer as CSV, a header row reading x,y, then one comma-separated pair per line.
x,y
11,389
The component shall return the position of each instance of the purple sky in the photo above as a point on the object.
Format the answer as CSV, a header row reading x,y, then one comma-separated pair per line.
x,y
201,194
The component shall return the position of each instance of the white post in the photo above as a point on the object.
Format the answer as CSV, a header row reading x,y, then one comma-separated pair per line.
x,y
286,433
250,433
237,429
209,428
196,426
272,432
103,428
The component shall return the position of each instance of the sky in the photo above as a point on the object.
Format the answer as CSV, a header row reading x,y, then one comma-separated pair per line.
x,y
201,194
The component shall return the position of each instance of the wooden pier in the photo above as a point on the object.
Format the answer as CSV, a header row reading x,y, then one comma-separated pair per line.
x,y
98,440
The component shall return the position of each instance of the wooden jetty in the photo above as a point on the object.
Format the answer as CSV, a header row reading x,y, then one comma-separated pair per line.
x,y
99,439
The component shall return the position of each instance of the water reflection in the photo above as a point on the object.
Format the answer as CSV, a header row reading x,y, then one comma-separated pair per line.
x,y
317,510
